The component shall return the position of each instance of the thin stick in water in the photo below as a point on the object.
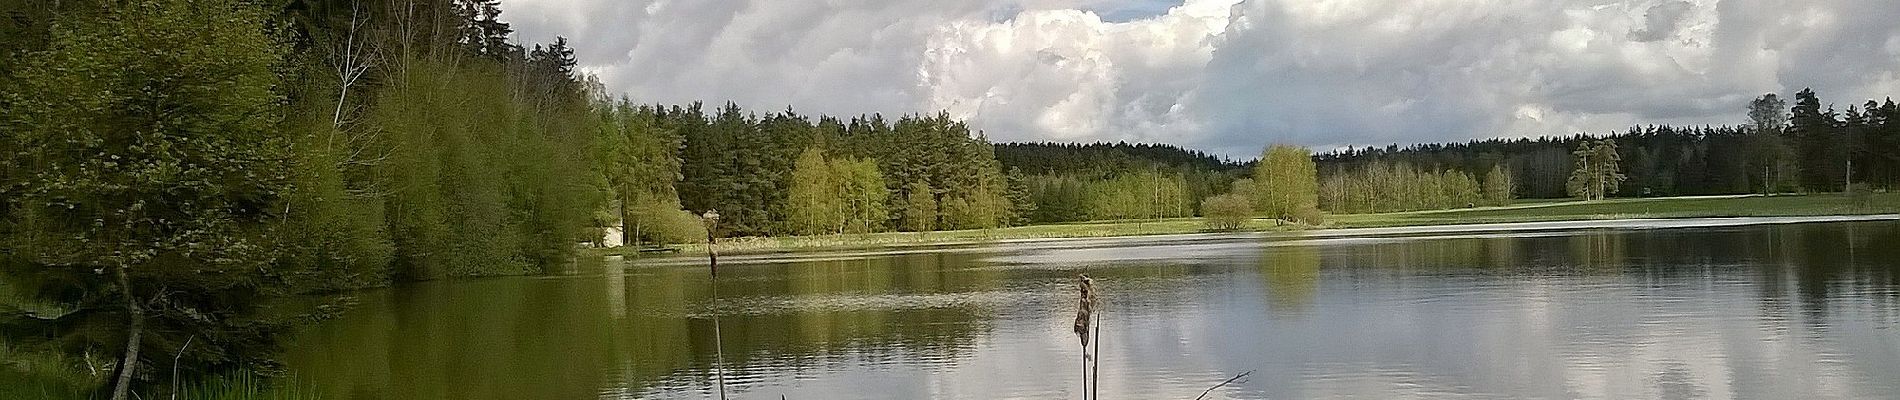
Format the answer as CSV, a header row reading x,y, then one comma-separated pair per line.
x,y
1096,382
1229,380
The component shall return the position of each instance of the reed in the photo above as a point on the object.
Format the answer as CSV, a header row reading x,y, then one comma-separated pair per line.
x,y
711,219
1088,326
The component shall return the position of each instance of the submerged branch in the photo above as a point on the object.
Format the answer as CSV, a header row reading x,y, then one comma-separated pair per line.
x,y
1224,383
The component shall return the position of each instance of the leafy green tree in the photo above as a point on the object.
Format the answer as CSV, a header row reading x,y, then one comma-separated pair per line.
x,y
1498,186
836,195
920,208
861,192
1227,212
640,162
157,172
815,203
1287,182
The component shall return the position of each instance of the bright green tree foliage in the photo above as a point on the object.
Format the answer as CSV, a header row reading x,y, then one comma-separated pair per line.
x,y
1286,182
861,194
1140,194
1227,212
639,160
1389,187
836,195
815,204
919,208
1499,188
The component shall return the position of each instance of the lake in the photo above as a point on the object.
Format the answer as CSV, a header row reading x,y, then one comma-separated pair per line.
x,y
1672,310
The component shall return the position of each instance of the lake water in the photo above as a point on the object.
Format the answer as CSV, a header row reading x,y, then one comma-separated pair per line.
x,y
1779,311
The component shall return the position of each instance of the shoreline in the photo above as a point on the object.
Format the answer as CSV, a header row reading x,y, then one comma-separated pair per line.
x,y
1555,215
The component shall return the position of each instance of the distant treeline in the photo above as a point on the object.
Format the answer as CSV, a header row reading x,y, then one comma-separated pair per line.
x,y
933,171
1803,148
1069,182
1103,159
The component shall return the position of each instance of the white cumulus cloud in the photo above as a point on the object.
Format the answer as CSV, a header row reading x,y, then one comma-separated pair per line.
x,y
1231,75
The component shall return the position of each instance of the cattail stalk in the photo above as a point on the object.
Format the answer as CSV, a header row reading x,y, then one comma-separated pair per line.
x,y
1084,318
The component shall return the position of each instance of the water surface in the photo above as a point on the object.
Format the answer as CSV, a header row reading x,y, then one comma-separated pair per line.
x,y
1719,310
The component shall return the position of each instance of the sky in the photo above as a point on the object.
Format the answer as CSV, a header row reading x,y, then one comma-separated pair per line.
x,y
1230,76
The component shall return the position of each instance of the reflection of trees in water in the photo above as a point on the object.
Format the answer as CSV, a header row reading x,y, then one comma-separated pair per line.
x,y
1292,275
1794,265
1426,254
571,337
1599,250
807,313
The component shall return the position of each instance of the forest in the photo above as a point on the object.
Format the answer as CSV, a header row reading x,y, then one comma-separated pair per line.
x,y
177,171
1809,146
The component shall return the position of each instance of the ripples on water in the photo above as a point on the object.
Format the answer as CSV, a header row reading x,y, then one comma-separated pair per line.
x,y
1760,311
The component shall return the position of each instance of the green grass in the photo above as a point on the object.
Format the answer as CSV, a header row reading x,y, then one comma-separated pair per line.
x,y
1539,210
1751,206
40,376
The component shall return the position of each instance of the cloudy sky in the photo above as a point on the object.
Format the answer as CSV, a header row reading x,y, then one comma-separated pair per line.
x,y
1228,76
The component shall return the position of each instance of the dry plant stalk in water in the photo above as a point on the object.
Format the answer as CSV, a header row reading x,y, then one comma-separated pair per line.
x,y
1085,318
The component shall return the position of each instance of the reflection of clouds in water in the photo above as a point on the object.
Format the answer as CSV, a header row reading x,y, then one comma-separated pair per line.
x,y
1686,313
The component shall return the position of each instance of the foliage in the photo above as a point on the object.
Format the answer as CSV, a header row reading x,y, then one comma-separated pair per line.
x,y
1805,147
1139,195
814,206
1067,182
1285,182
745,163
840,195
920,208
639,162
1388,187
1101,159
1666,207
221,154
1597,172
1227,211
1499,188
664,223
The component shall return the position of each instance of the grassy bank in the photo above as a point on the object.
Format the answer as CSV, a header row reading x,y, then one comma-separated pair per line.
x,y
1523,211
1675,207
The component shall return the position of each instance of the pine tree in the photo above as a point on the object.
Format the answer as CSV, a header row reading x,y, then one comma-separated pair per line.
x,y
1597,171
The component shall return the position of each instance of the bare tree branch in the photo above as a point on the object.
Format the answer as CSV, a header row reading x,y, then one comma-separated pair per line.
x,y
1242,375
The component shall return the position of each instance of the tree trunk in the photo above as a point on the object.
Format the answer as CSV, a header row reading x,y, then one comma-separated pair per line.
x,y
626,234
135,326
